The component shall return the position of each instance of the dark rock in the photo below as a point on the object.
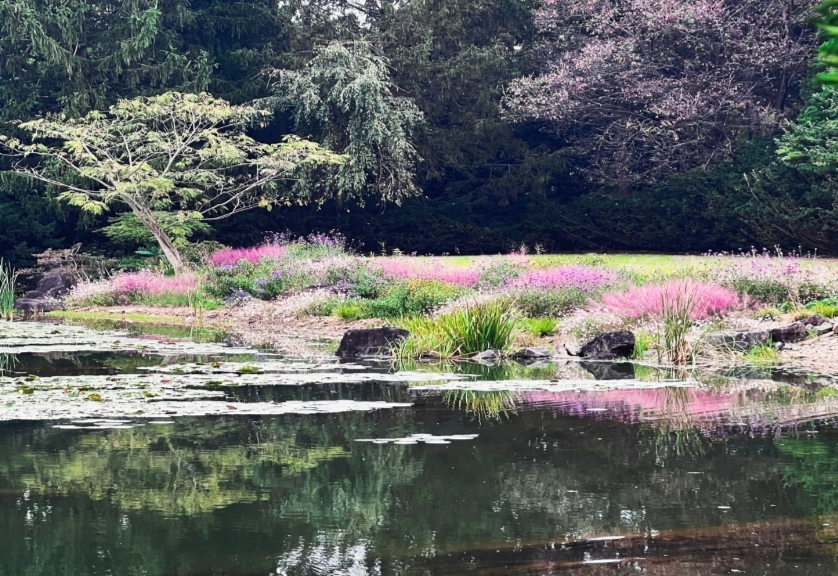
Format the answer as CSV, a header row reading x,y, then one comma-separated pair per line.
x,y
815,320
530,353
610,370
609,346
44,298
738,340
487,356
795,332
52,285
370,341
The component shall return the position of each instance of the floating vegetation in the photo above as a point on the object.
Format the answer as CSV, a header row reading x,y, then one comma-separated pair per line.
x,y
419,439
36,337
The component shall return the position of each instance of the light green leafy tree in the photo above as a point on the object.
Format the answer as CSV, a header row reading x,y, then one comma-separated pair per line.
x,y
176,160
345,99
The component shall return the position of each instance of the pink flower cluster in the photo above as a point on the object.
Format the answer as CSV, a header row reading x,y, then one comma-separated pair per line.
x,y
146,282
704,299
429,270
231,256
583,278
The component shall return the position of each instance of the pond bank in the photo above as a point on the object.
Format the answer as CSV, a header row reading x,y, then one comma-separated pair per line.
x,y
277,325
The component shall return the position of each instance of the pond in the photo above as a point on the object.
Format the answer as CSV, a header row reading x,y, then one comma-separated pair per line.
x,y
125,455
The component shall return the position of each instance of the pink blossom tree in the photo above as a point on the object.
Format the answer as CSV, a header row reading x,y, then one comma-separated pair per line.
x,y
646,88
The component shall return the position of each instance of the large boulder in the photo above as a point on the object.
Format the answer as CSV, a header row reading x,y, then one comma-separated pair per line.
x,y
739,340
370,341
609,346
45,297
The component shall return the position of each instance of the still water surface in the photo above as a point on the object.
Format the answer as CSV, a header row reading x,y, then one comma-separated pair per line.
x,y
661,481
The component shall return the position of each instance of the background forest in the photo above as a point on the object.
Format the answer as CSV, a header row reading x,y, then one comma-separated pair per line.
x,y
654,125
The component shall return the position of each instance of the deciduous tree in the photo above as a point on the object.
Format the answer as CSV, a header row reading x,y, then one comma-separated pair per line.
x,y
173,159
646,88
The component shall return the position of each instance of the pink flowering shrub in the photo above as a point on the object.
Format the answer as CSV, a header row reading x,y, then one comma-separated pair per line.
x,y
582,278
231,256
131,286
414,268
704,299
145,282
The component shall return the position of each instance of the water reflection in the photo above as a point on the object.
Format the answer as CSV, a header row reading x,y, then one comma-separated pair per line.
x,y
535,493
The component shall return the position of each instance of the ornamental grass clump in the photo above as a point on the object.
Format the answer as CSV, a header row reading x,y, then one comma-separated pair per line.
x,y
8,280
462,332
655,301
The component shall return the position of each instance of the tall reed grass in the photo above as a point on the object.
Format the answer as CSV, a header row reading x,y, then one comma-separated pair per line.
x,y
8,280
678,306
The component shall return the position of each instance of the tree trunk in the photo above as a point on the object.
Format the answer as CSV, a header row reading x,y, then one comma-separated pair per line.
x,y
148,220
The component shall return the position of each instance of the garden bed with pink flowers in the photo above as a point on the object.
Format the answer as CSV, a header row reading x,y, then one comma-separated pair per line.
x,y
553,298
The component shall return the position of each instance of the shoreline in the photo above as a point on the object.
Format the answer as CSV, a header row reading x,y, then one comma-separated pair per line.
x,y
274,324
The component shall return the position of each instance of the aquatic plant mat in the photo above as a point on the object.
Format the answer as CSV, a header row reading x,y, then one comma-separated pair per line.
x,y
178,457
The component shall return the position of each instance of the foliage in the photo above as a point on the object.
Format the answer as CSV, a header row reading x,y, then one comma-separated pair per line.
x,y
429,269
344,96
642,343
182,157
78,55
678,305
540,326
348,311
762,355
581,278
659,301
231,256
464,331
828,50
410,298
535,303
8,280
828,308
136,287
663,87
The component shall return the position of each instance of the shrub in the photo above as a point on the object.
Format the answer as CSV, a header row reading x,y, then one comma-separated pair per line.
x,y
407,267
540,326
548,303
499,274
579,278
655,301
828,308
131,287
410,298
348,311
774,280
232,256
355,278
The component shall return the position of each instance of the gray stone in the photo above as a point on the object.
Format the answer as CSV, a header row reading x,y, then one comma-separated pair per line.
x,y
795,332
370,341
609,346
825,328
530,353
488,355
738,340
